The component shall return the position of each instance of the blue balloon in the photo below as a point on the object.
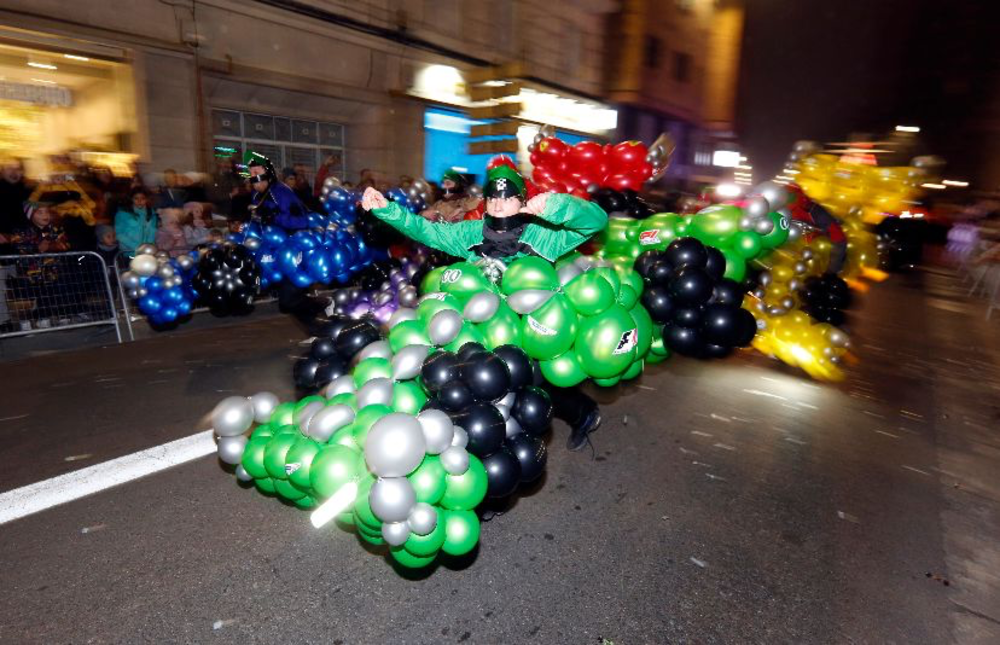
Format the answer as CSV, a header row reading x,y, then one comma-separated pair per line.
x,y
150,304
154,284
169,314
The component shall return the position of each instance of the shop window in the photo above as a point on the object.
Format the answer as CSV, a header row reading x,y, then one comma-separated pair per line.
x,y
258,126
304,131
226,123
306,156
282,129
331,134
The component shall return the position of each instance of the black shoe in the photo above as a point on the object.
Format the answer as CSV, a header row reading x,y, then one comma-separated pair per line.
x,y
579,435
488,514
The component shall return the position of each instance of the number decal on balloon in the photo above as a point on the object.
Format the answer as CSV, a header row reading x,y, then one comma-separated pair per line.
x,y
451,276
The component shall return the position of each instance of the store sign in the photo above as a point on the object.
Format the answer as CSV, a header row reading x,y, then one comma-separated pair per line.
x,y
52,95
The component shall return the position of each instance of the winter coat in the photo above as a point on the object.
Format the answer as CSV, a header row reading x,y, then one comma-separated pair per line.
x,y
135,229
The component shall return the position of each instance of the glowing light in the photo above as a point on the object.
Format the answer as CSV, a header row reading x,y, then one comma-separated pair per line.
x,y
933,186
75,57
334,506
726,158
744,166
955,183
728,190
42,80
907,128
41,65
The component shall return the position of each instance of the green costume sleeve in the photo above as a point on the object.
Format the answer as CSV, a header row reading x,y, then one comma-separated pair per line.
x,y
567,222
453,239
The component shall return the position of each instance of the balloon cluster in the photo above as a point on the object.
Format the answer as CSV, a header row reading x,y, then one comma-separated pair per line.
x,y
411,199
338,202
489,394
819,349
382,289
563,168
825,298
626,202
700,311
321,255
227,280
337,343
161,285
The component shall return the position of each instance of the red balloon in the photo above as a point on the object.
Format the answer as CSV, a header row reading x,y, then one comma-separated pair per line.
x,y
552,149
627,155
620,181
645,171
585,156
581,193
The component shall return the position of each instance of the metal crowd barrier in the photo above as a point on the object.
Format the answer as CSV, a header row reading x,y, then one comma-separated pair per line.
x,y
56,291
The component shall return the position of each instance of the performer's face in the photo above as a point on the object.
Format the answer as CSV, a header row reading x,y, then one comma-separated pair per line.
x,y
503,206
258,178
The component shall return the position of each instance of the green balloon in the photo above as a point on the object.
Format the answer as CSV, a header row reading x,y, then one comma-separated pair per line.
x,y
332,467
408,332
606,344
287,429
464,280
432,281
366,418
620,237
715,225
504,328
265,431
344,437
468,334
627,297
608,382
657,231
288,490
274,454
563,370
747,244
611,275
658,347
631,277
362,509
653,359
432,303
426,546
283,414
589,293
299,459
406,559
429,480
634,370
779,234
461,530
371,368
345,398
529,272
306,400
549,330
346,520
736,266
265,485
466,491
253,457
306,502
371,537
408,397
644,325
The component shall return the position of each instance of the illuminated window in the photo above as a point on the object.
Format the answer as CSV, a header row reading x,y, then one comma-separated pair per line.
x,y
682,67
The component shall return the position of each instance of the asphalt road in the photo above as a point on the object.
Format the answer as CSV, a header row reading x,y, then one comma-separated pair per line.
x,y
732,501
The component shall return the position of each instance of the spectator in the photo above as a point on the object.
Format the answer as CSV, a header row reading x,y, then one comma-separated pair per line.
x,y
171,194
37,278
170,236
107,244
136,224
224,186
330,168
367,179
197,229
14,191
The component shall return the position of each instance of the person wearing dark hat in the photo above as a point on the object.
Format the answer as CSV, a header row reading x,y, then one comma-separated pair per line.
x,y
548,225
454,202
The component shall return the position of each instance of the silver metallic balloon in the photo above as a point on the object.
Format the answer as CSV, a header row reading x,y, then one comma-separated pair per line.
x,y
395,445
794,232
407,362
567,272
327,421
776,311
481,306
144,265
400,315
143,291
526,301
342,296
807,254
423,518
455,460
746,223
763,226
130,280
927,161
252,243
408,296
757,206
391,499
340,385
461,438
503,410
585,263
232,416
162,255
438,430
800,268
775,194
806,146
787,302
378,349
837,337
395,533
302,417
146,249
133,294
242,474
264,404
794,284
444,326
231,449
375,391
512,428
765,278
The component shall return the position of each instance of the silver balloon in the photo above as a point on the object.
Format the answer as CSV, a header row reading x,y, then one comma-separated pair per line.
x,y
455,460
927,161
444,326
423,519
395,533
174,281
836,360
807,254
375,391
143,291
134,293
475,191
408,296
252,243
146,249
806,146
130,280
407,362
765,278
327,421
481,306
232,416
757,206
340,385
162,255
763,226
512,427
302,417
794,232
776,311
837,337
788,302
508,400
567,272
758,293
794,284
242,474
746,223
526,301
585,263
775,194
263,404
391,499
532,147
800,268
395,445
231,449
378,349
503,410
461,438
438,430
144,265
398,316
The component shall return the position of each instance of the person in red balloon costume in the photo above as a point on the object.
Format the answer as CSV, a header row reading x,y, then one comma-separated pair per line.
x,y
817,218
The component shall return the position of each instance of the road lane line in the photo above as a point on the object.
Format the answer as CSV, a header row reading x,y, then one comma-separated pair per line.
x,y
43,495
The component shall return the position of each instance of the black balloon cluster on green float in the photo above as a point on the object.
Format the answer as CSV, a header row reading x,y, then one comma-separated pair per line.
x,y
330,355
489,394
825,298
228,280
699,309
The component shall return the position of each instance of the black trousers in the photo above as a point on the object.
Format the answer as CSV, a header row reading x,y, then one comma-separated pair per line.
x,y
295,301
570,404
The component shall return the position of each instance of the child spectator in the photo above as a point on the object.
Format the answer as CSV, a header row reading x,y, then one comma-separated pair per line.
x,y
136,224
107,244
197,227
170,236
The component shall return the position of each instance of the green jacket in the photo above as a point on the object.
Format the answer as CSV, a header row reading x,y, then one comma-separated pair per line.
x,y
566,223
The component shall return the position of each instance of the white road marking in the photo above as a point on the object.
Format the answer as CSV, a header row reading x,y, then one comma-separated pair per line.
x,y
888,434
43,495
700,433
767,394
15,418
700,563
916,470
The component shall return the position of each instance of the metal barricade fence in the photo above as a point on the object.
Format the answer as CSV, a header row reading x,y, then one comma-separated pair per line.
x,y
53,291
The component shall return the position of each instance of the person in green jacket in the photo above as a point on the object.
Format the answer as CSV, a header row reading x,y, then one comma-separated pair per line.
x,y
548,225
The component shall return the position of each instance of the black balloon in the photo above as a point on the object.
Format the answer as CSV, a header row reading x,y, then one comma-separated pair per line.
x,y
656,300
503,473
530,452
691,286
439,368
330,328
455,396
329,369
227,280
728,292
661,272
715,263
716,351
686,341
747,328
323,347
486,375
518,364
467,350
610,200
304,373
533,410
686,252
485,426
645,262
356,336
721,325
688,316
